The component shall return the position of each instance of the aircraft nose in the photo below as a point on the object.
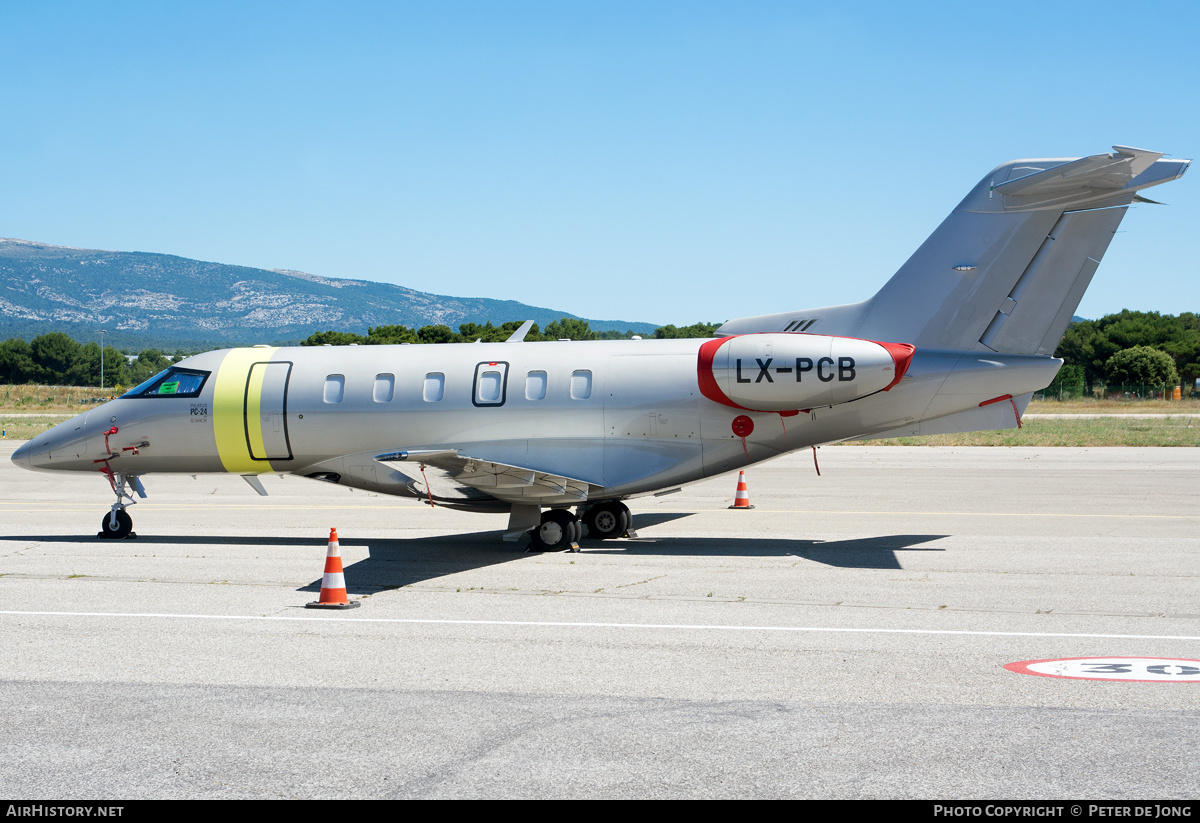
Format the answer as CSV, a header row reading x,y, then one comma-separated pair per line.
x,y
21,455
52,450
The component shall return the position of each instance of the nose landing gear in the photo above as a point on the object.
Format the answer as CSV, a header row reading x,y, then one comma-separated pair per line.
x,y
117,524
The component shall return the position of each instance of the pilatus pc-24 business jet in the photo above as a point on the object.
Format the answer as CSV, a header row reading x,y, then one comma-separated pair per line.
x,y
557,433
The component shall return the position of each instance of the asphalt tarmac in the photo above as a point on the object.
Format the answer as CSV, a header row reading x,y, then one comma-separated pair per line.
x,y
846,638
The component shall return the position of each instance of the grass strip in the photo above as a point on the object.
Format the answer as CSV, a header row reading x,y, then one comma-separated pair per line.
x,y
1086,432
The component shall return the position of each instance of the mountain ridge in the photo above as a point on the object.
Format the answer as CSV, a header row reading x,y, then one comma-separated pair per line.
x,y
168,300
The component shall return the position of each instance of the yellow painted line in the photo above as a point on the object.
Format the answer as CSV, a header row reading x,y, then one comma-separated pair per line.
x,y
149,506
228,421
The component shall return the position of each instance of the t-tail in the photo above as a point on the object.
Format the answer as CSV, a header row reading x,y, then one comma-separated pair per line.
x,y
1006,270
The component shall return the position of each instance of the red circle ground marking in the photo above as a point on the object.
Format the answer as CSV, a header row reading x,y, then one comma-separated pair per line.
x,y
1128,669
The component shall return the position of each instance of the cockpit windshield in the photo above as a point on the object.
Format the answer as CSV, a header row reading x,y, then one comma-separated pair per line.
x,y
172,382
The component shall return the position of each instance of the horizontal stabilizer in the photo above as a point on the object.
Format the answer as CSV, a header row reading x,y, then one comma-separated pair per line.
x,y
1100,171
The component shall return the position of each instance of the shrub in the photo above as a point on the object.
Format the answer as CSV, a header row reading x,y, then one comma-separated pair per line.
x,y
1141,365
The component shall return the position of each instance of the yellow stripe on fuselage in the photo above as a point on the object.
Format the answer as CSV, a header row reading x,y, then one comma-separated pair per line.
x,y
235,403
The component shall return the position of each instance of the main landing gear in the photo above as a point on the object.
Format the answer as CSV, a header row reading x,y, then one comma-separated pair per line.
x,y
561,530
117,524
608,520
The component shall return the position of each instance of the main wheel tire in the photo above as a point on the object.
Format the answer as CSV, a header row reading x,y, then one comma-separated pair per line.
x,y
559,529
607,520
122,528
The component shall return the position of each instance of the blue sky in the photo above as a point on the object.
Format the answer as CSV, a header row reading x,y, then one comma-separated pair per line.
x,y
652,161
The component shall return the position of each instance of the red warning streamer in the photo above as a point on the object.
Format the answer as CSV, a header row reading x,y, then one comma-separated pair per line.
x,y
1001,399
743,427
428,491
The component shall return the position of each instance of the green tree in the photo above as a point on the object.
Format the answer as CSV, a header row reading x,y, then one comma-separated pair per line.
x,y
149,363
1141,365
16,361
568,328
1069,382
54,353
332,338
391,335
85,371
116,369
437,334
1068,375
1090,343
487,333
1187,358
694,330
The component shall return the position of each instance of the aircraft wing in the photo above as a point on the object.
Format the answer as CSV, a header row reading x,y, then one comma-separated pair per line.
x,y
445,473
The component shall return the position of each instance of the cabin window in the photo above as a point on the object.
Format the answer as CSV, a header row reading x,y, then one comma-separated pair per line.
x,y
489,387
535,385
385,385
581,384
435,386
335,387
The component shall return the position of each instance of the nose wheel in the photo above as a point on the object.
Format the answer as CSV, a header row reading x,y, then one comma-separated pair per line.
x,y
116,525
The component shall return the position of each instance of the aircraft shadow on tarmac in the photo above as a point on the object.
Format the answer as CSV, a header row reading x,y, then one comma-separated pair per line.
x,y
392,564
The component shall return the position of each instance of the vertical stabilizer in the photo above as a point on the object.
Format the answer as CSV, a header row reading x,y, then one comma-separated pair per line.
x,y
1006,270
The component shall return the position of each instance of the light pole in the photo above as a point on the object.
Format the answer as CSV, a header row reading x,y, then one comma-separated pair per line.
x,y
102,333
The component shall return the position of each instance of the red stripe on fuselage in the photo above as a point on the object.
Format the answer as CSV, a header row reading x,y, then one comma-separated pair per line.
x,y
705,376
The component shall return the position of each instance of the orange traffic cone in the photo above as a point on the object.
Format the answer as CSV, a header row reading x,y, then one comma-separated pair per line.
x,y
741,500
333,583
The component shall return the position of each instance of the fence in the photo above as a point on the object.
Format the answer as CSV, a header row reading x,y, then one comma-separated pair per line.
x,y
1102,391
22,396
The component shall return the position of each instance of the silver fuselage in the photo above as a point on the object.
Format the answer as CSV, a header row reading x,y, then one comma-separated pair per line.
x,y
623,417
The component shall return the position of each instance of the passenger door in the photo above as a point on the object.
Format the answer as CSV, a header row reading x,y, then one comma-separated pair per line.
x,y
266,411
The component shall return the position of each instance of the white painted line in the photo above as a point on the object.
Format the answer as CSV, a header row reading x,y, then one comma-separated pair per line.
x,y
564,624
